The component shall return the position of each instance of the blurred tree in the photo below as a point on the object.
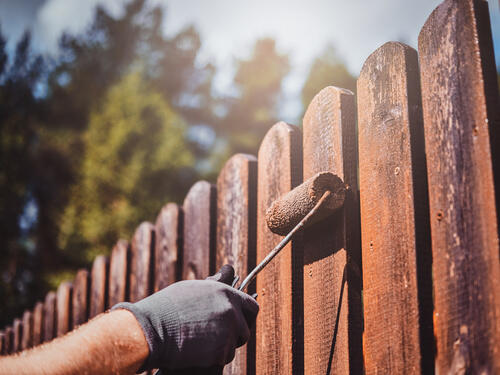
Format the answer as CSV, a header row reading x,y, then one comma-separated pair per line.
x,y
135,160
326,70
88,65
254,110
19,114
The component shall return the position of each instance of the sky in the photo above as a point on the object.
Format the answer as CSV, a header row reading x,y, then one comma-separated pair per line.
x,y
229,28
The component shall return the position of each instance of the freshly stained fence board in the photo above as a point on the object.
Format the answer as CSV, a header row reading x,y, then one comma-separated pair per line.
x,y
118,273
50,317
168,248
38,315
332,299
199,231
394,216
98,286
80,298
27,337
63,303
141,262
279,285
17,329
460,110
236,235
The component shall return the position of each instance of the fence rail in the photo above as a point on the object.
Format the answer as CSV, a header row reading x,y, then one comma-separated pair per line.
x,y
405,279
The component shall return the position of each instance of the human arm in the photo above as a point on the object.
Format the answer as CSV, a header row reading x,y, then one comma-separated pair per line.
x,y
111,343
190,324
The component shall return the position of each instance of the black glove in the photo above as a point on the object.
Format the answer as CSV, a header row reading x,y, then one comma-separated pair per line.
x,y
194,323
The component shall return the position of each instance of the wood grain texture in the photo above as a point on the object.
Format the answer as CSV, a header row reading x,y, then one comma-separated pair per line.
x,y
141,262
98,286
38,324
199,231
27,337
459,113
80,298
8,340
50,317
236,235
168,247
64,307
17,329
279,323
394,228
332,308
118,273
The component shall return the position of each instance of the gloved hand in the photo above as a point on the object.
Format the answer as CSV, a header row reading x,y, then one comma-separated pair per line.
x,y
194,323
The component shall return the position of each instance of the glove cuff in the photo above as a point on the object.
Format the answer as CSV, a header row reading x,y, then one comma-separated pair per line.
x,y
162,331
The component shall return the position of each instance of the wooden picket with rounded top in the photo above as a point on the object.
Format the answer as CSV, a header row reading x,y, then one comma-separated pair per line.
x,y
236,235
168,246
395,233
199,231
332,315
461,112
279,286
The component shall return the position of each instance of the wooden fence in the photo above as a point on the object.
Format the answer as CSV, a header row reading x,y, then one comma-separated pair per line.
x,y
404,280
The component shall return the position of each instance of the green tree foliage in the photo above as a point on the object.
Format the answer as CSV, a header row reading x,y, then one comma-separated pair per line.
x,y
89,64
326,70
19,113
135,160
253,111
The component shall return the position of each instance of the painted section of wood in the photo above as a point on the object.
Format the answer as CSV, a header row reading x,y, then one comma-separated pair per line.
x,y
141,262
236,235
98,286
199,231
17,329
50,317
118,273
80,298
63,308
332,280
394,228
27,337
168,247
459,113
38,321
279,323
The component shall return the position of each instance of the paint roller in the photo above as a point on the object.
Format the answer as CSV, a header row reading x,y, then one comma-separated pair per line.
x,y
310,202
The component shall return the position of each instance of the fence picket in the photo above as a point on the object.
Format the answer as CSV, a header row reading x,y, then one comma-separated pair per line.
x,y
118,273
50,317
27,337
168,247
394,224
38,324
279,330
141,262
80,298
98,286
63,308
8,341
236,235
332,309
17,328
199,231
460,107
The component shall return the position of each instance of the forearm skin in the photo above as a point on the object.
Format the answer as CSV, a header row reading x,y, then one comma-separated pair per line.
x,y
111,343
